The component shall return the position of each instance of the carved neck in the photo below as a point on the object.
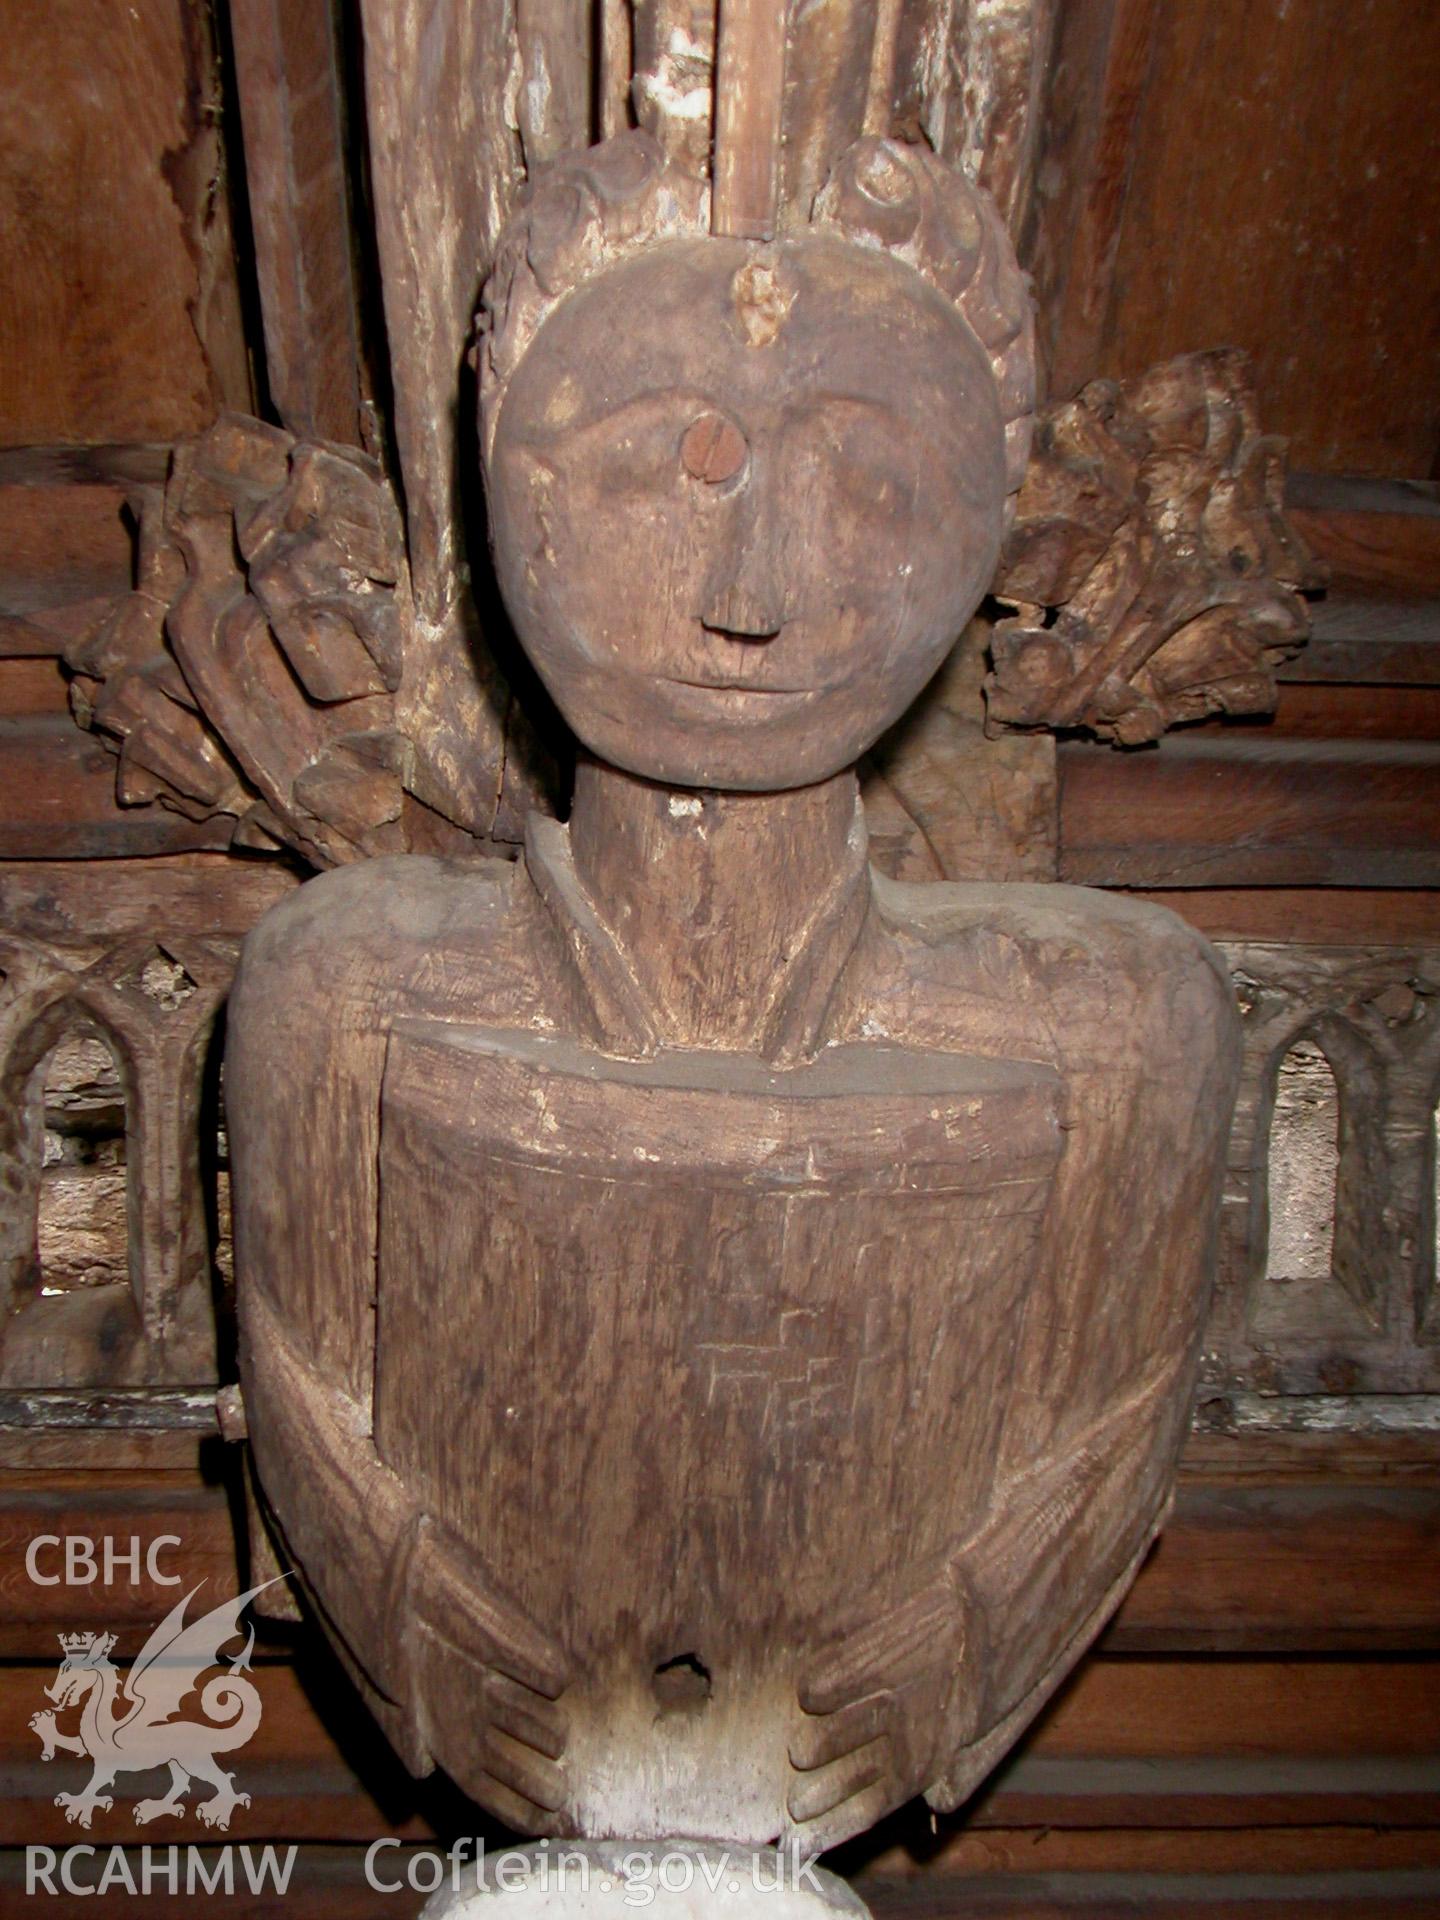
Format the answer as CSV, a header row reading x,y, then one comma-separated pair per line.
x,y
732,913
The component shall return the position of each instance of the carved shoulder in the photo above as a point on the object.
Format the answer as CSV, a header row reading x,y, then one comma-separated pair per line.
x,y
1067,974
374,936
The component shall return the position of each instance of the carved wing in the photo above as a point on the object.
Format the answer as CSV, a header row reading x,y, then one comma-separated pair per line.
x,y
176,1654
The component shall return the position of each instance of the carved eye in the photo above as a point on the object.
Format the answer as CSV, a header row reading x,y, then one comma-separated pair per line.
x,y
713,449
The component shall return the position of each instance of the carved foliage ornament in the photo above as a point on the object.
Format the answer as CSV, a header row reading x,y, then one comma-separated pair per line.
x,y
259,668
1154,576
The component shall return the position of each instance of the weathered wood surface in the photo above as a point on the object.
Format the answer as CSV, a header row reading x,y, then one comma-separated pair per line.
x,y
1322,916
1370,641
81,910
254,679
119,464
1330,793
992,65
1377,536
1098,82
1180,1773
1081,1792
1204,178
554,106
122,314
1326,1568
331,1883
31,686
289,74
1386,574
970,73
1340,709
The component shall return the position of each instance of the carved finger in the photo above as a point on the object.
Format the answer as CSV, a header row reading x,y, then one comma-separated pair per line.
x,y
819,1739
525,1715
524,1771
813,1794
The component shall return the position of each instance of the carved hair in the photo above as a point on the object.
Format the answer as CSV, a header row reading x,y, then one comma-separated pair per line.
x,y
593,208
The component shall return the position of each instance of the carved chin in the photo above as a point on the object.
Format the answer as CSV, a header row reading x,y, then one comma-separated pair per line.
x,y
739,738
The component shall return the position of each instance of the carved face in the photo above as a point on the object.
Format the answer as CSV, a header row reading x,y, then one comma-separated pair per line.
x,y
742,504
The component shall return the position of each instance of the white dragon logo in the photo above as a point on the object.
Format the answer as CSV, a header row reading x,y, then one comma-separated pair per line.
x,y
129,1726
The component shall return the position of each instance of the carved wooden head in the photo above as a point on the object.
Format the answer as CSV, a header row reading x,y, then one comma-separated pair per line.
x,y
743,497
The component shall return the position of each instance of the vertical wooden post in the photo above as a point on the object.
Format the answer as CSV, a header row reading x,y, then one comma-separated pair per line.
x,y
617,60
880,93
556,96
749,89
286,67
1100,77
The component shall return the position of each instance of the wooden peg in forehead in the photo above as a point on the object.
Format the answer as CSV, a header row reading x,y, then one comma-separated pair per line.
x,y
749,89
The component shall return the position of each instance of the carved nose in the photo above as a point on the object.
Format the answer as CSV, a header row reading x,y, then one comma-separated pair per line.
x,y
745,615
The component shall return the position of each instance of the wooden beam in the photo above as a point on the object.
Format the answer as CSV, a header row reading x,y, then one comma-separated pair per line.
x,y
1370,641
1236,223
617,62
1234,809
1134,1746
71,900
880,88
557,93
65,549
31,686
1258,1569
121,316
1322,916
916,1865
1376,535
117,465
57,801
1342,709
329,1883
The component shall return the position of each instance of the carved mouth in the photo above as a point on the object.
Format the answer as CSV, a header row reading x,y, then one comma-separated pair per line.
x,y
755,636
741,686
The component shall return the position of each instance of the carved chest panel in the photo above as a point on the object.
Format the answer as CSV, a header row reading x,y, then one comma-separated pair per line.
x,y
683,1349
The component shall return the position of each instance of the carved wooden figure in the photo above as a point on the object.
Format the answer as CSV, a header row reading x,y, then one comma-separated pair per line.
x,y
718,1325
